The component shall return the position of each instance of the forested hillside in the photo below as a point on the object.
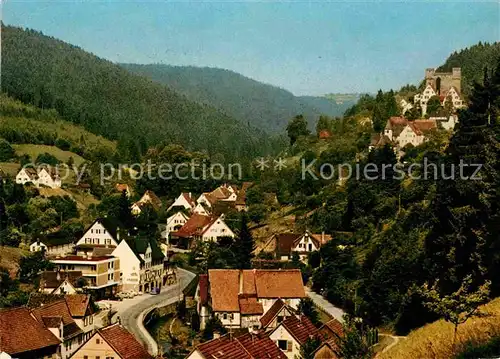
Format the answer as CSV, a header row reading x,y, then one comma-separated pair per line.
x,y
472,60
107,100
265,106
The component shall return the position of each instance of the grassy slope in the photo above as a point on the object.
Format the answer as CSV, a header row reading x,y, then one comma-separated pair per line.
x,y
10,257
435,340
34,150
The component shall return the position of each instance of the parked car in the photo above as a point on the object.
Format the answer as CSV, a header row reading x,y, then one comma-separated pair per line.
x,y
155,291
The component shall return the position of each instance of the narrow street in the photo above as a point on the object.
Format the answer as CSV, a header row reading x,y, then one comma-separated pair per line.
x,y
131,312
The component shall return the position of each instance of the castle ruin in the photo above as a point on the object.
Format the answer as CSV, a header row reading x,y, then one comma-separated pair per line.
x,y
441,82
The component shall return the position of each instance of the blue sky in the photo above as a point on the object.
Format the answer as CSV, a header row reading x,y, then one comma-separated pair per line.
x,y
306,47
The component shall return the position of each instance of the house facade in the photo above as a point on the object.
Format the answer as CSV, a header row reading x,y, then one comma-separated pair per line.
x,y
185,200
101,233
43,176
101,273
283,245
292,333
38,246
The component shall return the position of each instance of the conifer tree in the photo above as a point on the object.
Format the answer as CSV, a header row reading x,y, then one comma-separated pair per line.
x,y
245,245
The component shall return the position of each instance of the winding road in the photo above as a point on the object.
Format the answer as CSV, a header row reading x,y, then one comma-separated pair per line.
x,y
132,316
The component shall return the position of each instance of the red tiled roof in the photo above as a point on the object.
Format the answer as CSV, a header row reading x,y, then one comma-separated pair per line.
x,y
20,332
189,199
300,328
123,342
225,286
50,278
424,125
59,308
120,187
324,134
250,306
223,348
271,313
248,346
279,283
77,304
260,346
203,289
332,330
194,225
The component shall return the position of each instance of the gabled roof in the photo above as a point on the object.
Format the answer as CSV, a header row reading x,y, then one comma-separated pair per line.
x,y
189,199
153,199
77,303
248,346
227,286
272,313
31,172
194,226
422,126
250,306
140,245
301,328
59,308
379,140
110,225
21,333
51,279
123,342
332,329
396,125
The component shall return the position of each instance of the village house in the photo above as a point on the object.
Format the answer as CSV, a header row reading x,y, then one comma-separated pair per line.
x,y
405,106
247,346
57,318
202,228
404,132
174,223
292,333
239,298
60,282
102,233
142,264
224,193
112,342
43,176
283,245
330,333
148,198
445,123
185,200
379,140
200,209
241,199
278,312
79,306
22,336
38,246
102,273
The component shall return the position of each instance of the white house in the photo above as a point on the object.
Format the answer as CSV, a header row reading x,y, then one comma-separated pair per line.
x,y
405,106
292,333
455,98
43,176
184,200
142,267
215,230
283,245
148,198
424,97
199,209
38,246
174,223
446,123
403,132
101,233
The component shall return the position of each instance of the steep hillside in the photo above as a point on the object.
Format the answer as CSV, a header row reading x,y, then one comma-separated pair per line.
x,y
265,106
106,99
472,60
25,124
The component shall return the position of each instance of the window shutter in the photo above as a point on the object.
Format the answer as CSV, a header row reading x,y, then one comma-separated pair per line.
x,y
289,346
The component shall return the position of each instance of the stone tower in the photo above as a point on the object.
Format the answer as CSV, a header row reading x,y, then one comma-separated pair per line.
x,y
443,81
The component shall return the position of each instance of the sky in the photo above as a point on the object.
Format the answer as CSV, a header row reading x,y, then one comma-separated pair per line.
x,y
308,48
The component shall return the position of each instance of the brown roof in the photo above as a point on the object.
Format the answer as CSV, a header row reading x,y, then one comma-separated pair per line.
x,y
189,199
258,283
153,199
284,242
123,342
272,313
300,328
52,322
260,346
279,283
194,226
50,278
332,330
120,187
247,346
203,283
78,304
223,348
396,124
250,306
242,193
20,332
424,125
59,308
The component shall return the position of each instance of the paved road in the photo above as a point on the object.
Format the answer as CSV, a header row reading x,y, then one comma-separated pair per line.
x,y
328,307
133,311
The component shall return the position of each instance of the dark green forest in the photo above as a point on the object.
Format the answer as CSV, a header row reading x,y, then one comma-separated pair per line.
x,y
107,100
258,104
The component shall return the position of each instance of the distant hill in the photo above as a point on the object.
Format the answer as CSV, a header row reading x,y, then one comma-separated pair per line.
x,y
473,60
261,105
107,100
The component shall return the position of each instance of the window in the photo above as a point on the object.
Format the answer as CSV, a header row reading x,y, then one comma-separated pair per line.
x,y
85,357
98,341
280,318
224,316
283,345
